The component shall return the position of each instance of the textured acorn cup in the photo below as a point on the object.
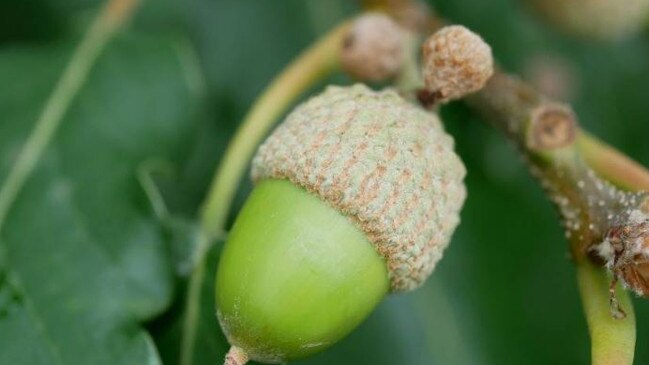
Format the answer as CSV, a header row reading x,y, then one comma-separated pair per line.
x,y
357,195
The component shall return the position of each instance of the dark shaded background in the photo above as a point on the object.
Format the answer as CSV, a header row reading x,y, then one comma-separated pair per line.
x,y
505,292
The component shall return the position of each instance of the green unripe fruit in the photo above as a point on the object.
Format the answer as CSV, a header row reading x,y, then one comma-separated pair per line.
x,y
316,282
358,193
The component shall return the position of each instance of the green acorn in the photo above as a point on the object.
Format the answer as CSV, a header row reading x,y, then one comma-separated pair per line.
x,y
357,195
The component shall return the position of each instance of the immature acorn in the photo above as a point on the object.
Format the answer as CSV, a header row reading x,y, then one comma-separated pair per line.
x,y
357,195
599,19
457,62
373,49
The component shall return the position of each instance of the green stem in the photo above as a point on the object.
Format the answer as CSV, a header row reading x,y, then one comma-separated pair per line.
x,y
613,340
312,66
192,309
112,16
410,76
613,165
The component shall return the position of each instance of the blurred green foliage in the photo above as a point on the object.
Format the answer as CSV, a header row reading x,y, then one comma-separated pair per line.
x,y
505,292
82,259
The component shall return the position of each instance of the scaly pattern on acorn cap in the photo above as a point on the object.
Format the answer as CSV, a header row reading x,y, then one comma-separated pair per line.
x,y
383,162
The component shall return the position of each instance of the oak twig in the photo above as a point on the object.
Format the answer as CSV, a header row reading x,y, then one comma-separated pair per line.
x,y
578,173
588,181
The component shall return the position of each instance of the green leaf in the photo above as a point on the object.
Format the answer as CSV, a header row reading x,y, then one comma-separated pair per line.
x,y
82,257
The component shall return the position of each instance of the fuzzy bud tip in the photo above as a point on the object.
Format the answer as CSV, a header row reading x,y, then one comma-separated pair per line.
x,y
373,50
456,62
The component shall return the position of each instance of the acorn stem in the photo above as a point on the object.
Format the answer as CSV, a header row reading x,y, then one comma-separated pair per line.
x,y
236,356
409,77
191,315
316,63
613,341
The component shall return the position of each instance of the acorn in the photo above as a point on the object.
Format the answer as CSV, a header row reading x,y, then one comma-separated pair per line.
x,y
357,194
374,48
596,19
456,62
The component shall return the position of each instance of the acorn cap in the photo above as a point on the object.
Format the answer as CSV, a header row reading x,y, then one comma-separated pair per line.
x,y
384,163
602,19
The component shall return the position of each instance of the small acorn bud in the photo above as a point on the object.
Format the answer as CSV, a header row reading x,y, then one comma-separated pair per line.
x,y
373,50
599,19
357,195
456,62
